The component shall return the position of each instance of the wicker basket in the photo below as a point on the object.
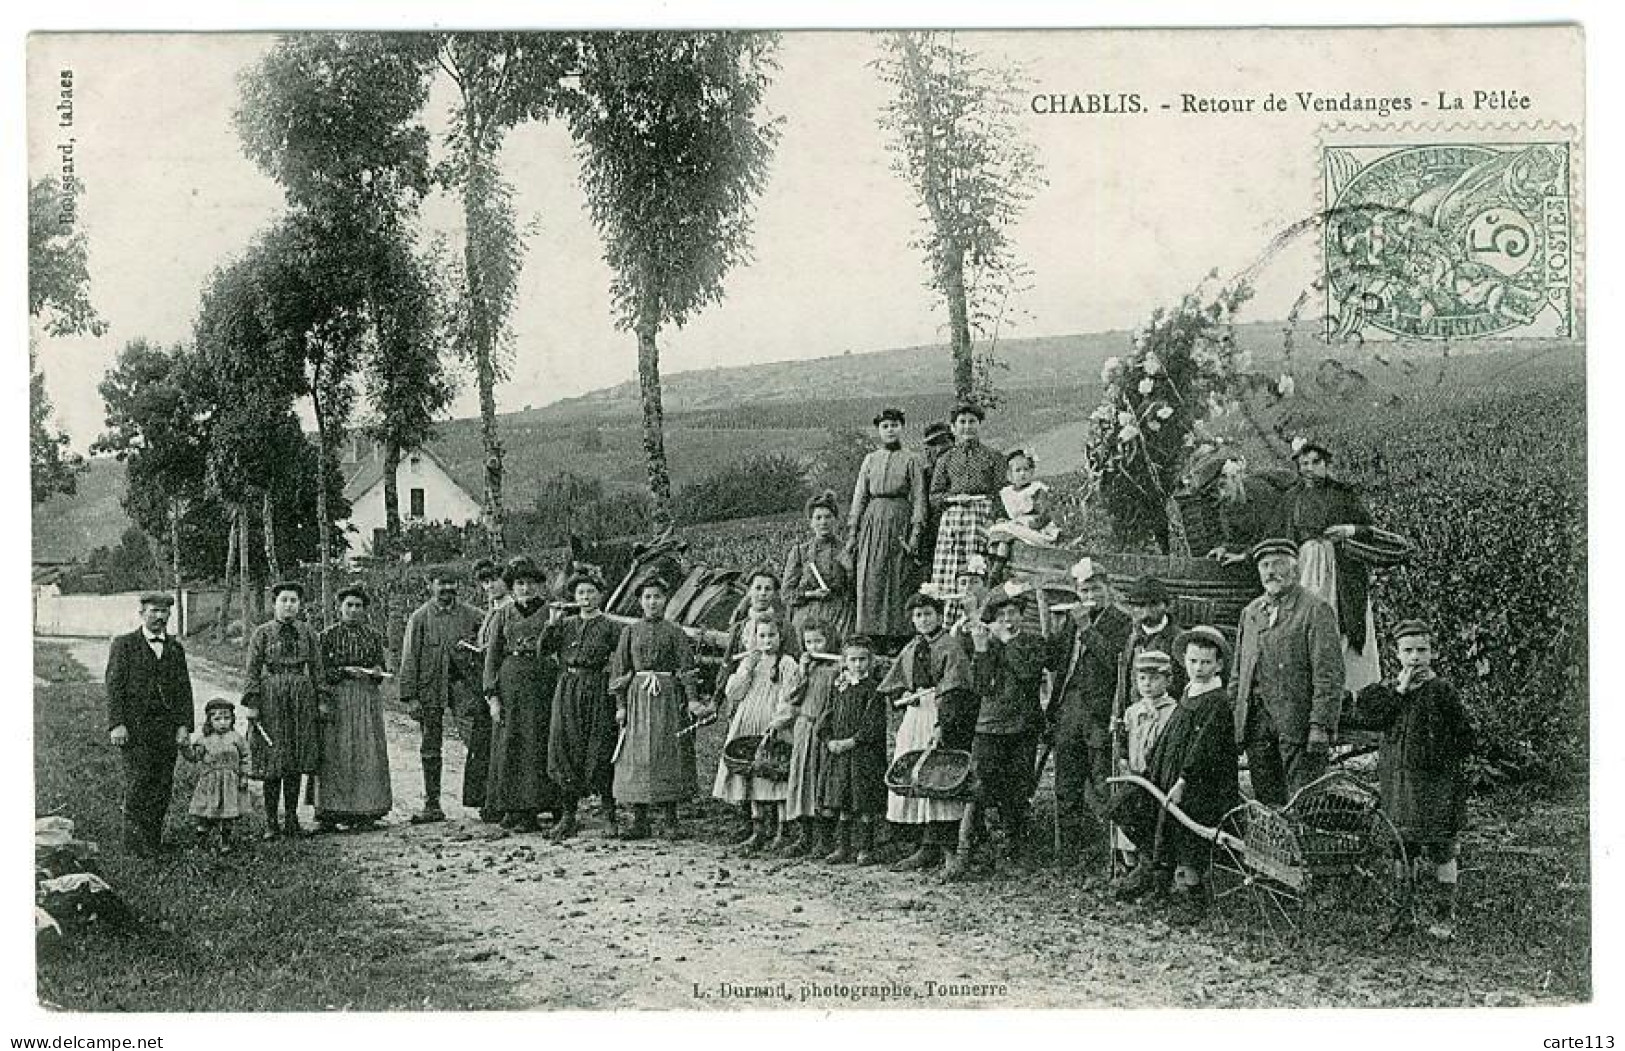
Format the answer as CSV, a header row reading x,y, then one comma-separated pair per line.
x,y
746,757
943,773
1381,549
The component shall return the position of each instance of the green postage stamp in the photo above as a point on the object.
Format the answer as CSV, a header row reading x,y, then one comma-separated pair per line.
x,y
1448,240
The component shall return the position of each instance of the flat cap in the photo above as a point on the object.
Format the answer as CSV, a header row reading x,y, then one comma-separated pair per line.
x,y
1276,545
1153,660
158,598
1414,626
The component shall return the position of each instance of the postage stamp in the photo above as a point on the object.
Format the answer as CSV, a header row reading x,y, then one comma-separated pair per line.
x,y
1448,240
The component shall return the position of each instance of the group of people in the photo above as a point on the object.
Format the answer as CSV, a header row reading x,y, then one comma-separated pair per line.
x,y
557,702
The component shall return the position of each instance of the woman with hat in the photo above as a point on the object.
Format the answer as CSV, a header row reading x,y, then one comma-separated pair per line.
x,y
1322,513
284,708
353,786
581,735
519,681
817,576
964,485
886,523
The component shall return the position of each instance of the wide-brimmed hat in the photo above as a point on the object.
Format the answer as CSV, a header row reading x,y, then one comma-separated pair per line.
x,y
1146,591
1203,633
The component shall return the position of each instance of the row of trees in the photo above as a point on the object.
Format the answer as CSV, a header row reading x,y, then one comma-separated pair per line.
x,y
343,306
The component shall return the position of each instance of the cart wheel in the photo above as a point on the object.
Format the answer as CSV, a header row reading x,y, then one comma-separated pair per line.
x,y
1366,884
1245,899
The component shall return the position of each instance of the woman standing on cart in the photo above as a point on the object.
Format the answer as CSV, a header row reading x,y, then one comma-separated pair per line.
x,y
886,524
964,484
1323,513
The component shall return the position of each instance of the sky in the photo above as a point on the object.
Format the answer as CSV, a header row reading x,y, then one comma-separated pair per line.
x,y
1135,209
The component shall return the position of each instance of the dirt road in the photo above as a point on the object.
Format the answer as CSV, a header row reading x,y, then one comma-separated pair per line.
x,y
602,923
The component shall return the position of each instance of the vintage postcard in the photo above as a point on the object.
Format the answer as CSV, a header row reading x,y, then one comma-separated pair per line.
x,y
723,520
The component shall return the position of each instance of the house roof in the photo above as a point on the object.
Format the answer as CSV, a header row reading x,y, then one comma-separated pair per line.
x,y
370,471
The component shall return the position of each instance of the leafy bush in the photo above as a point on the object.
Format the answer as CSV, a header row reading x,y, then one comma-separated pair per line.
x,y
755,485
1504,586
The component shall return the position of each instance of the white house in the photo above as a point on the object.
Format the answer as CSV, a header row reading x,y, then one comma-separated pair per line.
x,y
428,492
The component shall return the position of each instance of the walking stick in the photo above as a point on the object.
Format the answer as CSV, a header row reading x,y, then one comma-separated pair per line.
x,y
1116,732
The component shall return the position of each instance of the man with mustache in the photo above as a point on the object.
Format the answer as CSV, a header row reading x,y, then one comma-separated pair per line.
x,y
1289,678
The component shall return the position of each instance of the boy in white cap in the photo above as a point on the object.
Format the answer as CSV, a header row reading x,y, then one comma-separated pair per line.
x,y
1141,726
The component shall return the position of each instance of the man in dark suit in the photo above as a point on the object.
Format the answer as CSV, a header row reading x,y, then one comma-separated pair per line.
x,y
149,717
1085,665
1289,678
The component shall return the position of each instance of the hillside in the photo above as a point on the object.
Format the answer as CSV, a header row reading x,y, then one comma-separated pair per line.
x,y
716,416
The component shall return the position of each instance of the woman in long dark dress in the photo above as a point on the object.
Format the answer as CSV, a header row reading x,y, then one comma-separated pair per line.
x,y
283,703
1322,512
581,738
352,788
887,524
519,683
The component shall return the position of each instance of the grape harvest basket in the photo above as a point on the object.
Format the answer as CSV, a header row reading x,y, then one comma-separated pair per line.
x,y
1329,859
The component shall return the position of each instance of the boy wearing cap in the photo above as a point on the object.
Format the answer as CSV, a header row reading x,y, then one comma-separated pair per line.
x,y
1142,726
1289,678
1008,664
1146,601
1194,762
1427,737
149,717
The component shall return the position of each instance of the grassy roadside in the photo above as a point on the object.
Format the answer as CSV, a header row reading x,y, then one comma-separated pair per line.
x,y
280,926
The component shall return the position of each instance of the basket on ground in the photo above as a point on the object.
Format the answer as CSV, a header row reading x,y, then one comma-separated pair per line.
x,y
942,773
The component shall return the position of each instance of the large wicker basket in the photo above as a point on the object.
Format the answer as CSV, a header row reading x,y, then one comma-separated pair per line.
x,y
746,757
942,773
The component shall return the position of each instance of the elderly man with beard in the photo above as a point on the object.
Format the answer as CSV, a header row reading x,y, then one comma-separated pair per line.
x,y
1289,677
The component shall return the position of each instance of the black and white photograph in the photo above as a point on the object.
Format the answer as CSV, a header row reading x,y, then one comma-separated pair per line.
x,y
722,520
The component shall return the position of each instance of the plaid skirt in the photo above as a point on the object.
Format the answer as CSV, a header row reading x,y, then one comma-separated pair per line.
x,y
963,533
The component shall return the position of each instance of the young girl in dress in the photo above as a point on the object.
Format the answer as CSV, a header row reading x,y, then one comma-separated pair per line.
x,y
759,687
802,717
1026,504
221,795
852,786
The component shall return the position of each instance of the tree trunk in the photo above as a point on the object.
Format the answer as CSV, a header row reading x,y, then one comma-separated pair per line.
x,y
958,321
175,562
225,600
268,527
654,421
324,544
392,498
482,337
253,599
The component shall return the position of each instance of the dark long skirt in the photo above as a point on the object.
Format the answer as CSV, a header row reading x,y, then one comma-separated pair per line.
x,y
581,738
289,740
518,780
